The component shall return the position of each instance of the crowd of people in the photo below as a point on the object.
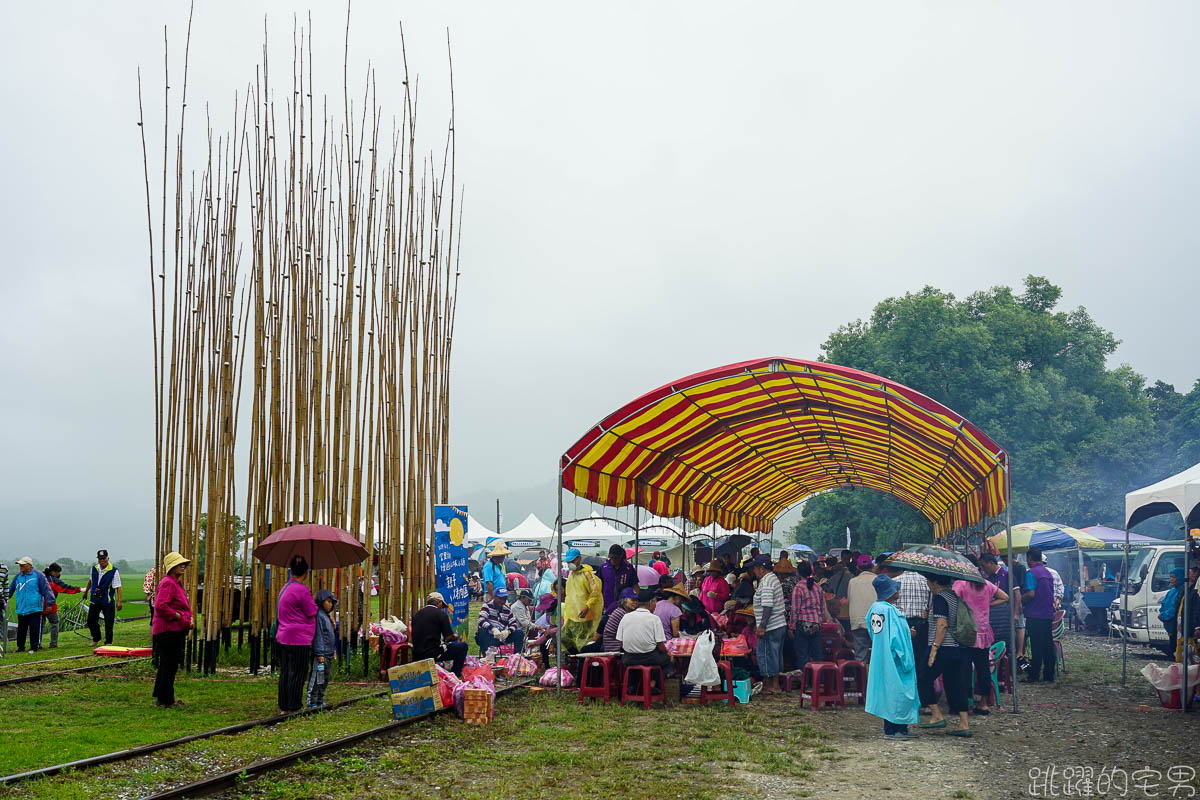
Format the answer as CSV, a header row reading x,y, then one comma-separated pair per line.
x,y
905,626
34,594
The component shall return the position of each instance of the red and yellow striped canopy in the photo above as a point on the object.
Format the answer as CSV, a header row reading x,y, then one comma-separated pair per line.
x,y
740,445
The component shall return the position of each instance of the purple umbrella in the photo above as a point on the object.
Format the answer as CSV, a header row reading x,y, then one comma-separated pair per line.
x,y
647,576
323,546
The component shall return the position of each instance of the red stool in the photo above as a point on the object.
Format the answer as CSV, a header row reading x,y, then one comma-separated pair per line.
x,y
393,655
822,683
831,637
842,654
600,676
792,680
725,694
647,694
856,673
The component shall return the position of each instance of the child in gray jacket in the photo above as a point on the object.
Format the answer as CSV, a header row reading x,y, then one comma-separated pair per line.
x,y
324,648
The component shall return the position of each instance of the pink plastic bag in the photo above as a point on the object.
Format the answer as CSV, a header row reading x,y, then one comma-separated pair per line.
x,y
519,667
551,678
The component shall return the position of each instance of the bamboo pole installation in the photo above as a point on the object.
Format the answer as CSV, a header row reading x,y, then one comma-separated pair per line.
x,y
309,256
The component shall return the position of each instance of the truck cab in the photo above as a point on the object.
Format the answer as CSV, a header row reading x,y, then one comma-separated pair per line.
x,y
1134,614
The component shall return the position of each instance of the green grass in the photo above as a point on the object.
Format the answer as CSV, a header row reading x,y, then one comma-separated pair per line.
x,y
66,718
564,748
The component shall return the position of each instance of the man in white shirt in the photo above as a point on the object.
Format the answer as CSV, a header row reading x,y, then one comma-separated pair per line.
x,y
643,641
1060,588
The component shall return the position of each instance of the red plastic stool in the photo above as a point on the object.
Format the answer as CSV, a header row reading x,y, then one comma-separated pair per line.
x,y
792,680
831,637
725,694
600,676
856,673
842,654
822,684
393,655
647,695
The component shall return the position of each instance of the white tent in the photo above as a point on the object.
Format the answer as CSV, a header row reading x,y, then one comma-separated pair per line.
x,y
532,532
594,536
1178,494
478,532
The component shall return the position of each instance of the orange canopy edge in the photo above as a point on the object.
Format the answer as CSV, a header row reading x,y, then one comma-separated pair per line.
x,y
740,445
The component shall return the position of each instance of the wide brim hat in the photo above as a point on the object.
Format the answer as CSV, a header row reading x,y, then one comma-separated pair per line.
x,y
676,591
499,550
173,560
715,566
748,610
928,559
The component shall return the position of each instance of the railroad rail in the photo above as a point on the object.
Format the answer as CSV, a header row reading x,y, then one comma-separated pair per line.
x,y
216,783
146,749
77,671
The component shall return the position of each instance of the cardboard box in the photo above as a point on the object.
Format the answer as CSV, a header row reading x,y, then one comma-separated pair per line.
x,y
415,702
416,675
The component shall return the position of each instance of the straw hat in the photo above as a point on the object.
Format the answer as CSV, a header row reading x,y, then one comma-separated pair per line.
x,y
715,566
173,560
500,550
748,610
676,591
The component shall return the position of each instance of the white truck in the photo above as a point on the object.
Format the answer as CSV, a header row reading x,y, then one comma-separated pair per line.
x,y
1134,614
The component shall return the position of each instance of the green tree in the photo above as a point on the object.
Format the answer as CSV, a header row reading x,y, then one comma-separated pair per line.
x,y
1080,434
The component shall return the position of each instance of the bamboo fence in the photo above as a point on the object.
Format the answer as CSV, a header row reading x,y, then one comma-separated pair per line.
x,y
304,270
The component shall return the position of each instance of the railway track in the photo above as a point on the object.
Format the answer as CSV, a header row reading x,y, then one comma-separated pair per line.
x,y
136,752
77,671
45,661
217,783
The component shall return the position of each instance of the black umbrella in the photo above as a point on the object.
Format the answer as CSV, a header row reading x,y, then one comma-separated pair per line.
x,y
595,562
732,544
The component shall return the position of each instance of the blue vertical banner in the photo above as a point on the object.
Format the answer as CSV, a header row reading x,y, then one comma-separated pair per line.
x,y
450,556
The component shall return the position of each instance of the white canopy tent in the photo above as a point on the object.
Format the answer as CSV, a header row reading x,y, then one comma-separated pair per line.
x,y
478,532
1178,494
531,532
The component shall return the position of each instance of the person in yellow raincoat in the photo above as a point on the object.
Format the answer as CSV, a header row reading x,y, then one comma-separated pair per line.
x,y
584,603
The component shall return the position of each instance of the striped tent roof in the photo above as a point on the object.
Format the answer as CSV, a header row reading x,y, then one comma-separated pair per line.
x,y
741,444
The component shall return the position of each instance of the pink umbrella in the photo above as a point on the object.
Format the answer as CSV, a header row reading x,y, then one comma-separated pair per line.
x,y
647,576
323,546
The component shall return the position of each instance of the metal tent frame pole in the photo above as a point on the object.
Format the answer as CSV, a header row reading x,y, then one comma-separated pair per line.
x,y
557,576
1184,694
1125,617
637,529
1012,650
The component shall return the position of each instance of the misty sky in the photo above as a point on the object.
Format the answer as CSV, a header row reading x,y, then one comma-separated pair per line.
x,y
652,189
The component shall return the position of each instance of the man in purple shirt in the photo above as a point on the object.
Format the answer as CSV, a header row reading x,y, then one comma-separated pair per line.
x,y
1038,595
616,574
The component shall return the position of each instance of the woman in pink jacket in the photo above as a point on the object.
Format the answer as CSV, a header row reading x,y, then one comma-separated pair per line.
x,y
714,591
297,615
172,620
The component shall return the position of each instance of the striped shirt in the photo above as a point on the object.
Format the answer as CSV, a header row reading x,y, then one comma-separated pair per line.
x,y
498,619
945,606
808,605
770,595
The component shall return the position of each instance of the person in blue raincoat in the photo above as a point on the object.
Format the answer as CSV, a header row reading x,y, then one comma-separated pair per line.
x,y
892,689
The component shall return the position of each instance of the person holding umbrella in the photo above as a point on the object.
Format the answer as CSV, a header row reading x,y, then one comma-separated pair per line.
x,y
297,615
172,620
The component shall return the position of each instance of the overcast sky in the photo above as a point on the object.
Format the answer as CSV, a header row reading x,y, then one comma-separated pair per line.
x,y
652,189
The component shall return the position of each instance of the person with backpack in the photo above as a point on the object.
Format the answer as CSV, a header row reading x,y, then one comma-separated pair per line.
x,y
979,598
946,657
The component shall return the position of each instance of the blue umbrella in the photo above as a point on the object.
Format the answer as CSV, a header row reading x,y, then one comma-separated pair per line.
x,y
802,548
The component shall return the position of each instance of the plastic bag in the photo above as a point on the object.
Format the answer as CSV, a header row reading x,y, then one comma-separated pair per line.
x,y
550,678
482,671
519,667
446,676
702,670
474,683
682,645
1164,679
737,646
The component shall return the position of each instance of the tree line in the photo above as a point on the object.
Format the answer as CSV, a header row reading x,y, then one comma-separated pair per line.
x,y
1080,434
